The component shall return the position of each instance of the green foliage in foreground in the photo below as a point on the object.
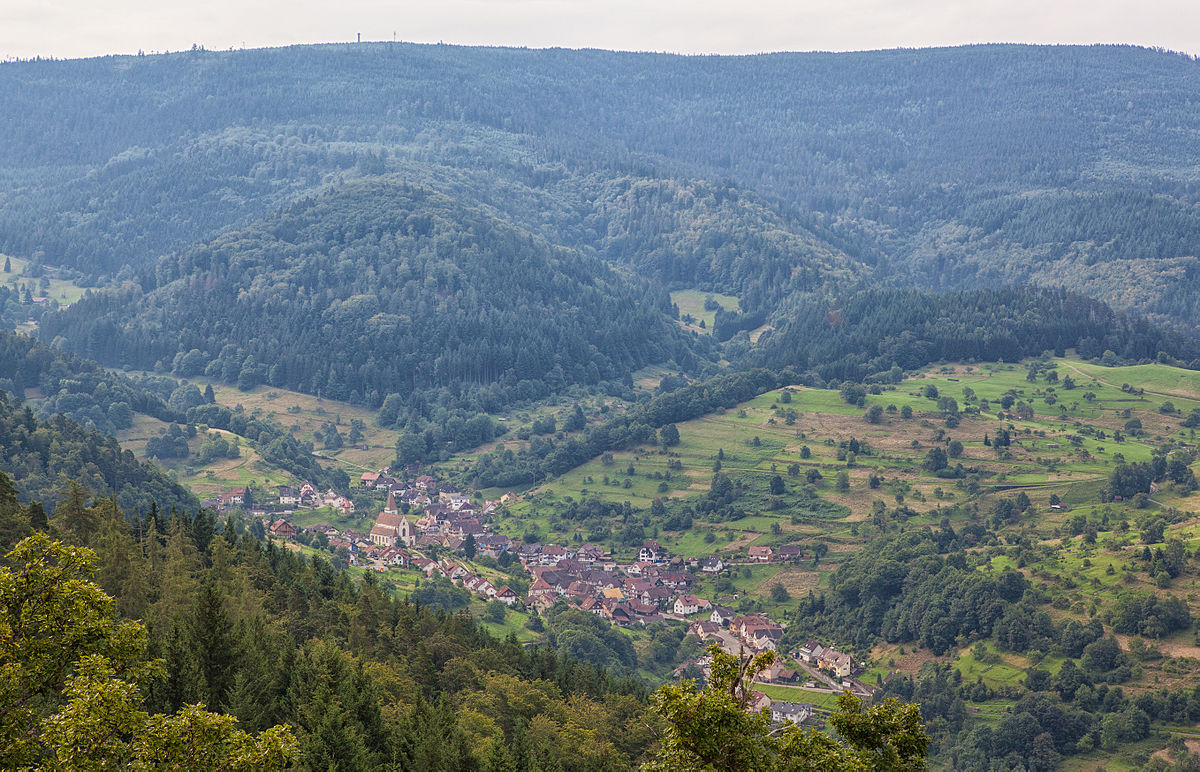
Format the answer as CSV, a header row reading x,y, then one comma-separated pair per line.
x,y
268,637
710,729
71,679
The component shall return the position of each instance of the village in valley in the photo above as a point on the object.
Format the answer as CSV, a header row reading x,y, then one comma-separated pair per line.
x,y
730,529
443,534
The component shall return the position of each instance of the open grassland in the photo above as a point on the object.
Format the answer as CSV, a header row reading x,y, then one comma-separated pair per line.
x,y
1065,439
691,303
64,291
1065,445
210,478
995,668
305,415
514,624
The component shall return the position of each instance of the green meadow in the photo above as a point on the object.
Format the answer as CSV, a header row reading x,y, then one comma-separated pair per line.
x,y
691,303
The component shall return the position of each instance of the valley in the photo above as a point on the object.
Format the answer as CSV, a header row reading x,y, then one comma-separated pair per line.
x,y
453,407
789,488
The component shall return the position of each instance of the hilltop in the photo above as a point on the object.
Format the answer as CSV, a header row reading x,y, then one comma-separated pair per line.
x,y
953,168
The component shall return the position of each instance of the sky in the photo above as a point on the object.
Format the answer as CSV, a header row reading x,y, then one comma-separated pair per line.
x,y
81,28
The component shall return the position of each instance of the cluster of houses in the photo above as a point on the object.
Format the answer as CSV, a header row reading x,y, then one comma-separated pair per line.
x,y
464,577
589,580
783,554
307,497
448,519
234,498
826,658
752,632
645,591
288,498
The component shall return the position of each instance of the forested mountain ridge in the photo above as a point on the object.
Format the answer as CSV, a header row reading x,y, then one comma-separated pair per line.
x,y
954,168
382,287
868,333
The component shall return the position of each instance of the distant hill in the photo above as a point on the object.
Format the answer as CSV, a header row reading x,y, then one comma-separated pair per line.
x,y
380,288
944,169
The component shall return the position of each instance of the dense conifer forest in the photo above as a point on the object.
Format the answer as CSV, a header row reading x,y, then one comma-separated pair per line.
x,y
47,457
361,680
948,168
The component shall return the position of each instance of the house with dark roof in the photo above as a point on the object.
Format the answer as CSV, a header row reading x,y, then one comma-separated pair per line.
x,y
793,712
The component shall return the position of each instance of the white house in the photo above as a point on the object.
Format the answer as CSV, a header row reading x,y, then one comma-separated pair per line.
x,y
790,711
690,604
652,552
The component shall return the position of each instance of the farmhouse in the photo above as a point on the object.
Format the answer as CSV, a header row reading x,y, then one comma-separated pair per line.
x,y
761,554
283,529
235,497
288,496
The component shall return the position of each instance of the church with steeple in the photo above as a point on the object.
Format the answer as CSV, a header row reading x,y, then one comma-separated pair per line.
x,y
392,528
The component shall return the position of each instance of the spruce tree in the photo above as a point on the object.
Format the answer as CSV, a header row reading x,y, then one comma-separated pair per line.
x,y
214,645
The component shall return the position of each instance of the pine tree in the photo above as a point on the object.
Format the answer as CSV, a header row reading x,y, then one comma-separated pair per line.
x,y
74,520
37,516
214,645
14,521
121,569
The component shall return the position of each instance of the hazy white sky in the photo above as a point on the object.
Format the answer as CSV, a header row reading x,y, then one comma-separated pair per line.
x,y
72,28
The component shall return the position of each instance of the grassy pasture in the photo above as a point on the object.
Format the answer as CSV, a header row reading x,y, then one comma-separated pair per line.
x,y
822,700
1065,448
692,302
765,436
304,414
64,291
208,479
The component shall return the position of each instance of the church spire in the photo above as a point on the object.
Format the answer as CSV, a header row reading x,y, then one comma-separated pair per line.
x,y
391,502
